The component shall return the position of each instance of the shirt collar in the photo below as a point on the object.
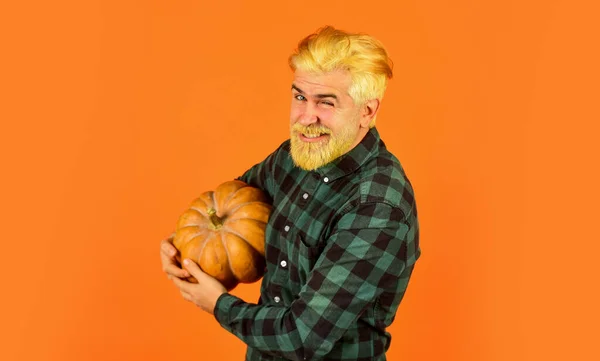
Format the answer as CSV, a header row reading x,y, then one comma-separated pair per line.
x,y
353,159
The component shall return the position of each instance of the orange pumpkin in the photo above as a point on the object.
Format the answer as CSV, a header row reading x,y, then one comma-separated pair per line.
x,y
224,232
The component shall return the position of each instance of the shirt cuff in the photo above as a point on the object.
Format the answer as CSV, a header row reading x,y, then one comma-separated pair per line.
x,y
223,308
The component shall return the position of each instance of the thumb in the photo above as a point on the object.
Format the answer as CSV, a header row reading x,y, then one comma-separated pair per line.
x,y
193,268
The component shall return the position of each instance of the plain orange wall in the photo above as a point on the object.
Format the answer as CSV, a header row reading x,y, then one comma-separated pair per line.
x,y
116,114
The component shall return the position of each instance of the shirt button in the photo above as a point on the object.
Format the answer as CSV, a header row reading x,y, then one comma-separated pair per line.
x,y
305,196
283,263
325,179
277,299
286,228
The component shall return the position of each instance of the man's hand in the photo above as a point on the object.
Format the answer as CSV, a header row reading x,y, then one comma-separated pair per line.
x,y
203,294
168,254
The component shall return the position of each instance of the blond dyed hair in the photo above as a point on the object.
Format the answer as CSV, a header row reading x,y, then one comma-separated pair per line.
x,y
330,49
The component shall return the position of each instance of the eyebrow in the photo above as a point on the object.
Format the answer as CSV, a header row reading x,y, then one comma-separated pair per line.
x,y
320,96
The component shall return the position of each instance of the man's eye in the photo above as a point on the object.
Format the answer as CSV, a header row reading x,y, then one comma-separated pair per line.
x,y
299,97
328,103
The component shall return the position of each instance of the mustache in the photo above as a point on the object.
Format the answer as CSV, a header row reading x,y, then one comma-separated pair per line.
x,y
311,129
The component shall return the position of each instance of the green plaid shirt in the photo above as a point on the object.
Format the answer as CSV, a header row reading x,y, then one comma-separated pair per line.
x,y
341,244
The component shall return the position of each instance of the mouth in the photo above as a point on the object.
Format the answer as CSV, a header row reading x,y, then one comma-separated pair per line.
x,y
312,137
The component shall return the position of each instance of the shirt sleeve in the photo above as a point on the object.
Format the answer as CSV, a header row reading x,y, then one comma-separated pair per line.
x,y
366,254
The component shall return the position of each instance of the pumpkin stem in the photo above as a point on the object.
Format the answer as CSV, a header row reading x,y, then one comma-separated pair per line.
x,y
214,219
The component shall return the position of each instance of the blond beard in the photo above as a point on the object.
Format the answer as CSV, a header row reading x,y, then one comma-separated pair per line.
x,y
310,156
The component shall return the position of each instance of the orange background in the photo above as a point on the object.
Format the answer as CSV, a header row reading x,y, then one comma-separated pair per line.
x,y
116,114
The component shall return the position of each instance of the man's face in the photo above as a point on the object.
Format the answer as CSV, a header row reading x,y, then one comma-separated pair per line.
x,y
324,121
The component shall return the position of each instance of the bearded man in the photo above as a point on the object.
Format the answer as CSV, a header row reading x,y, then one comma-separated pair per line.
x,y
343,237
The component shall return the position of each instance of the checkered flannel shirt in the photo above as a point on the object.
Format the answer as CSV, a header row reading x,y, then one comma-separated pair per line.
x,y
341,244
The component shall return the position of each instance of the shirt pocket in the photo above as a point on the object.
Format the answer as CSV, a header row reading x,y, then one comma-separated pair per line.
x,y
306,257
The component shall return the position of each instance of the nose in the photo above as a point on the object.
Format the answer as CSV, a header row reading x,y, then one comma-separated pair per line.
x,y
309,115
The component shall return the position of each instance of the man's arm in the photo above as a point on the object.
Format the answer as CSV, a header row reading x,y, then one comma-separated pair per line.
x,y
367,254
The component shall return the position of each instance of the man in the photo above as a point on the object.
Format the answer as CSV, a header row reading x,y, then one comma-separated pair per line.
x,y
343,237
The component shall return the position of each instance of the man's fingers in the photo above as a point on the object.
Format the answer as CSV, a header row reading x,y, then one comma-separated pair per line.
x,y
177,273
172,270
186,296
168,248
193,268
168,254
183,286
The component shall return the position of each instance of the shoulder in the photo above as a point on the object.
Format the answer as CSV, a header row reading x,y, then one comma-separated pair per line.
x,y
384,180
282,151
282,164
284,146
279,157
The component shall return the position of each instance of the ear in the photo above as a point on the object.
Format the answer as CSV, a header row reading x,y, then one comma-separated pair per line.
x,y
368,112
